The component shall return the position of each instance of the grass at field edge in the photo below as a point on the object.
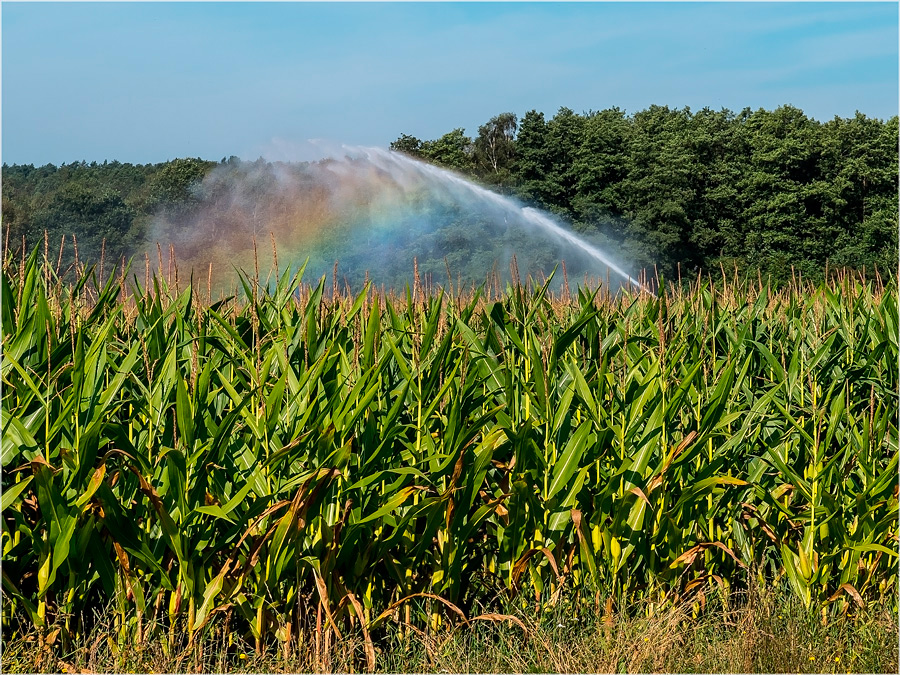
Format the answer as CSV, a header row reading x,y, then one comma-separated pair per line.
x,y
771,633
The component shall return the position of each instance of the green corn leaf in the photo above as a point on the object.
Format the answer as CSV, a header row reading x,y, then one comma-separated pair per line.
x,y
568,462
10,494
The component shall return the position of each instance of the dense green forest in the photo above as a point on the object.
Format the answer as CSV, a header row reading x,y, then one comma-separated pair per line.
x,y
671,188
113,202
763,190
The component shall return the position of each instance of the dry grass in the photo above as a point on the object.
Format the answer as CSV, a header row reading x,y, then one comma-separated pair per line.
x,y
771,633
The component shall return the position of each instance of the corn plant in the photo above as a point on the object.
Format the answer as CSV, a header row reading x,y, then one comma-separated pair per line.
x,y
287,458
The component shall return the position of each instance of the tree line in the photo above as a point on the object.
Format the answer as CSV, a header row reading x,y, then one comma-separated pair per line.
x,y
106,210
683,191
668,188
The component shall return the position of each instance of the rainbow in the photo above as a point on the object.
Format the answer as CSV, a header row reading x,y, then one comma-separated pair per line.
x,y
371,211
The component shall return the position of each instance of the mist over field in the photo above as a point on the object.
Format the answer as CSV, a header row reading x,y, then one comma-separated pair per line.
x,y
377,214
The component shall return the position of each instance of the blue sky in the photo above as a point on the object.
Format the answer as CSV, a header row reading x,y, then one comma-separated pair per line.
x,y
147,82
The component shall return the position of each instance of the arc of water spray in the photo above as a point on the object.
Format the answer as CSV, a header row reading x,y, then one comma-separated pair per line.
x,y
387,160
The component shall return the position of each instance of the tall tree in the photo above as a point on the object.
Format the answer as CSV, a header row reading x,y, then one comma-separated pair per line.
x,y
407,144
452,150
659,189
786,203
565,133
860,157
532,158
495,147
600,166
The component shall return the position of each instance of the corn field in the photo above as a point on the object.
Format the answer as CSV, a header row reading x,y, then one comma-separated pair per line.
x,y
301,456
